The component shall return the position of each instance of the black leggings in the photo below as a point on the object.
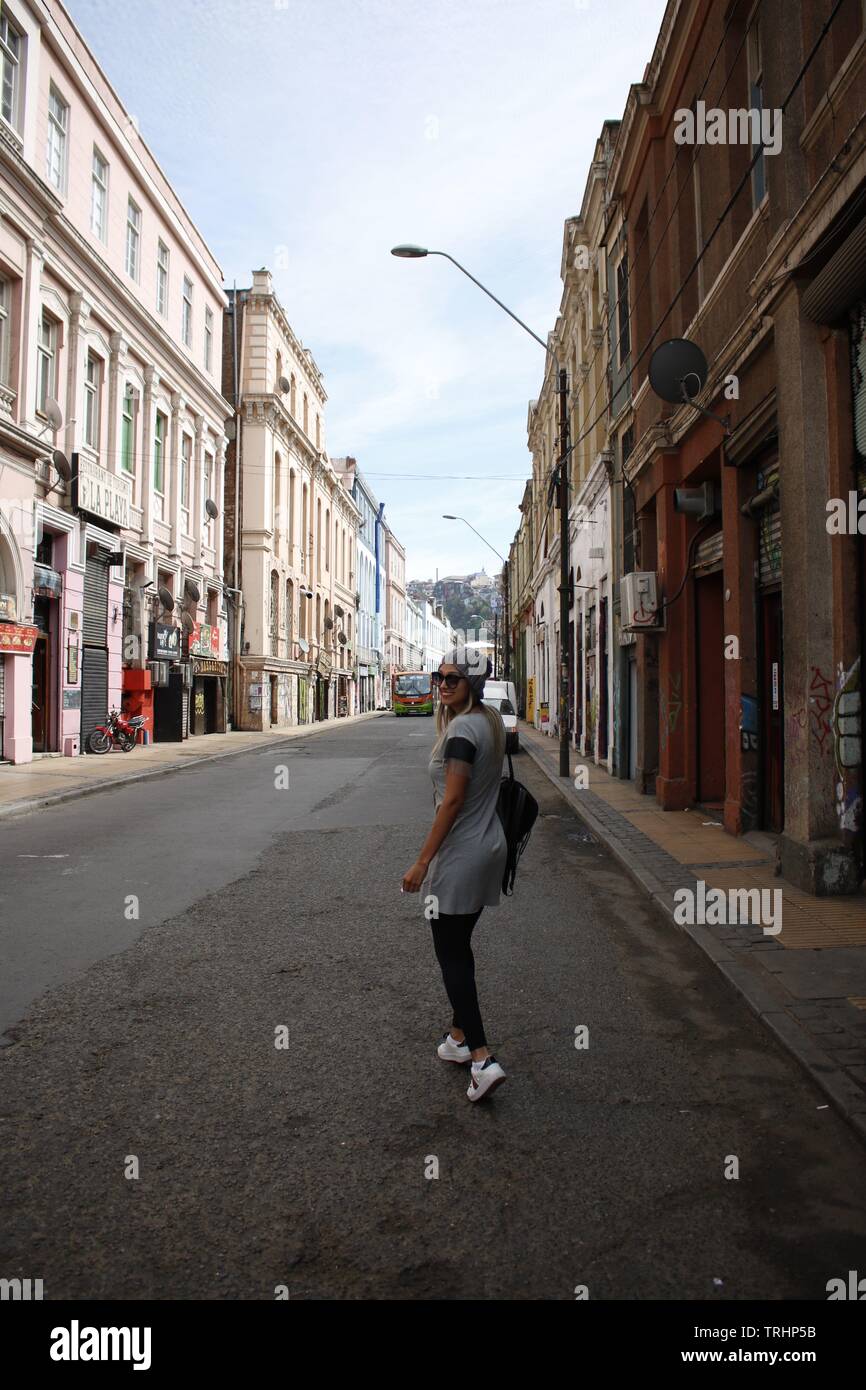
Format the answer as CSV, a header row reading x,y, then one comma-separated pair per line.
x,y
452,937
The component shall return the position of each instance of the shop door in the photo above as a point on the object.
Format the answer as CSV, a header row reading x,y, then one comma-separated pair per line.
x,y
94,691
710,686
94,664
275,707
39,699
168,708
2,703
602,679
211,721
632,717
198,723
772,742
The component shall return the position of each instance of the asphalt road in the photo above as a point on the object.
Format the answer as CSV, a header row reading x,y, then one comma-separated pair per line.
x,y
265,909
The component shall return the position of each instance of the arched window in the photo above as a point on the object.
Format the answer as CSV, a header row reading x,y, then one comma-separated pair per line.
x,y
319,619
305,532
343,556
306,414
278,374
319,539
291,516
327,540
293,396
329,631
290,613
318,431
275,613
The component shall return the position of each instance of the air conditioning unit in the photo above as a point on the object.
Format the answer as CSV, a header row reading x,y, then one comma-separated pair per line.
x,y
639,603
158,672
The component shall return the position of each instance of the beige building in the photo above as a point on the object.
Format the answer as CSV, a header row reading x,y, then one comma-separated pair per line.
x,y
110,323
292,559
395,608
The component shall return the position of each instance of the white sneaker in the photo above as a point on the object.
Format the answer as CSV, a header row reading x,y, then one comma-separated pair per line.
x,y
451,1051
486,1076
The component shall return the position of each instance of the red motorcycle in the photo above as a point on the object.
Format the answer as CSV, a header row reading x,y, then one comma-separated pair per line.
x,y
118,732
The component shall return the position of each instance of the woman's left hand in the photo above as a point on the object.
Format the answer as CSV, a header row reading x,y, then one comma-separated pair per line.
x,y
414,877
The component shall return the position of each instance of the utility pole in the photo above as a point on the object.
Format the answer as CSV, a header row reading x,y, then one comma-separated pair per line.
x,y
564,587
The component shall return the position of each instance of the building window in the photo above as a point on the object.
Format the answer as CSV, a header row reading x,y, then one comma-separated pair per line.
x,y
4,331
58,124
318,431
293,397
10,58
306,415
756,102
186,322
159,453
622,308
208,483
133,239
127,432
99,196
185,469
46,367
162,279
208,339
92,392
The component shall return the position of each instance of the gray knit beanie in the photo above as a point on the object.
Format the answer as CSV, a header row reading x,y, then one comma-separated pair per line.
x,y
472,663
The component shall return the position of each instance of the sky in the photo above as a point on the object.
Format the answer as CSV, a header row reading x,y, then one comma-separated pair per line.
x,y
311,136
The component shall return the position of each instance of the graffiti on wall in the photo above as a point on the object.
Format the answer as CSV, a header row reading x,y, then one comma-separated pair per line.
x,y
847,748
748,723
670,707
821,703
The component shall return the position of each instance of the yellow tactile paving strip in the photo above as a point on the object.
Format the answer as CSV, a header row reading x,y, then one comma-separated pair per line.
x,y
808,923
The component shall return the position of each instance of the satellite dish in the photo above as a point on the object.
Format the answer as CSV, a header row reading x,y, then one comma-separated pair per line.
x,y
166,598
61,464
187,622
211,508
329,623
343,638
285,384
230,429
677,370
192,590
303,644
53,413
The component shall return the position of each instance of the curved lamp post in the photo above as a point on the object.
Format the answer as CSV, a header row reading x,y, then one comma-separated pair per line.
x,y
411,253
446,516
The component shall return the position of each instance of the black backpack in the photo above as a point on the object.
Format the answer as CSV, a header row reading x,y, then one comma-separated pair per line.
x,y
518,811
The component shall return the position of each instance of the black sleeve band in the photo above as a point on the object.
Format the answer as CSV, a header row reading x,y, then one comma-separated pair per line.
x,y
460,748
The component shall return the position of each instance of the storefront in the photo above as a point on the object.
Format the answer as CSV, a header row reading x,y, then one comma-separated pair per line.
x,y
170,684
17,642
208,708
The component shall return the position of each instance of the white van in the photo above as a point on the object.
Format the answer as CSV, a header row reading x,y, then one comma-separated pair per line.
x,y
502,695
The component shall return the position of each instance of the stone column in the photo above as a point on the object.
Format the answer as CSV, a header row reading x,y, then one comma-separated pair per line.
x,y
79,314
197,490
116,362
174,494
148,429
30,316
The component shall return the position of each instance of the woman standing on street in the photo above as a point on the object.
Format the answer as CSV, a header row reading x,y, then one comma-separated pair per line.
x,y
463,858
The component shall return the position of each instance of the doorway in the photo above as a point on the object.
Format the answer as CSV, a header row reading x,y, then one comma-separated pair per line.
x,y
275,704
710,683
772,732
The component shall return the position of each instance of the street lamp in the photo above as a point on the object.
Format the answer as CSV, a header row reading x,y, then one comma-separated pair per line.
x,y
411,252
446,516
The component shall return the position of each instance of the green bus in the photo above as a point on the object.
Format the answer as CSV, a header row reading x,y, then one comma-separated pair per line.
x,y
412,692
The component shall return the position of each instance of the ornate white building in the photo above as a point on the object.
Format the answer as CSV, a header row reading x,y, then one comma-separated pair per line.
x,y
292,560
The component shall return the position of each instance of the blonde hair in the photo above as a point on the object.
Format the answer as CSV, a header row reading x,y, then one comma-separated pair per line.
x,y
444,715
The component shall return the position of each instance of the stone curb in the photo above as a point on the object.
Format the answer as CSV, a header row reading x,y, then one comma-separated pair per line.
x,y
765,998
30,804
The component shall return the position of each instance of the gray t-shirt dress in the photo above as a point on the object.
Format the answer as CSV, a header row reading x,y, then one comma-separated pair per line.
x,y
466,874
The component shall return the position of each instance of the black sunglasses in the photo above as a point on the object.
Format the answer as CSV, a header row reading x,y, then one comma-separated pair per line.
x,y
451,681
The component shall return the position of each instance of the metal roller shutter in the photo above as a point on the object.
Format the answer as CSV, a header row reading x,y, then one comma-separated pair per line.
x,y
95,603
94,691
858,386
769,533
708,553
184,715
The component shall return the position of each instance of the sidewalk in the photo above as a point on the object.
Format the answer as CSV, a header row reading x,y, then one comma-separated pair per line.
x,y
808,984
47,781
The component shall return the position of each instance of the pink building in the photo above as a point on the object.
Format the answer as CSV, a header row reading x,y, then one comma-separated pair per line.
x,y
111,313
